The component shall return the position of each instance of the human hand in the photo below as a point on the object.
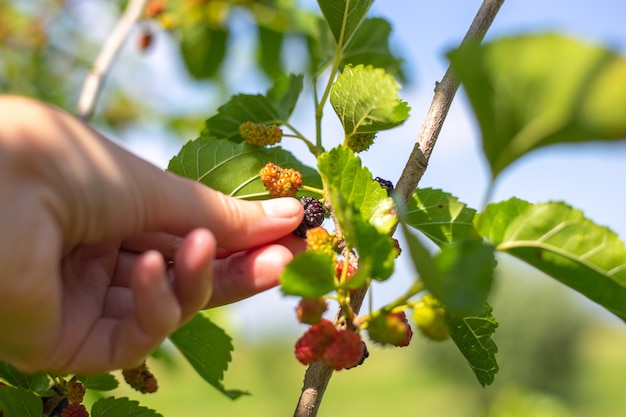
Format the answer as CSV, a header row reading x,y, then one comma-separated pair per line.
x,y
104,255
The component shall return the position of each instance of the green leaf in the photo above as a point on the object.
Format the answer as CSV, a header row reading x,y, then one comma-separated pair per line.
x,y
472,335
38,382
344,16
560,241
440,216
19,402
99,382
284,94
370,46
233,168
270,47
240,109
320,44
532,91
376,249
309,275
366,100
208,349
459,276
120,407
203,48
341,168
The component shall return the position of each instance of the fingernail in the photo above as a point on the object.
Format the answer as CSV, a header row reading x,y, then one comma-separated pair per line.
x,y
281,207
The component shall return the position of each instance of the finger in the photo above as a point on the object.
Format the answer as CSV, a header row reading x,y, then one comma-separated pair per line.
x,y
165,243
193,272
156,200
114,343
247,273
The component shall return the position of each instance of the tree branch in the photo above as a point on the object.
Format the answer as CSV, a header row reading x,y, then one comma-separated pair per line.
x,y
318,375
93,83
444,94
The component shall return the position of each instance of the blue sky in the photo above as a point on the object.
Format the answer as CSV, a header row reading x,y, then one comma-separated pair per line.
x,y
589,177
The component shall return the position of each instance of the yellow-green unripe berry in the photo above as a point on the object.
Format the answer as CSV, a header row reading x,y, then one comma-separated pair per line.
x,y
429,316
360,142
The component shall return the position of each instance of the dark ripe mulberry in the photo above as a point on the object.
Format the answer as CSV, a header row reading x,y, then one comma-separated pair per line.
x,y
313,215
386,184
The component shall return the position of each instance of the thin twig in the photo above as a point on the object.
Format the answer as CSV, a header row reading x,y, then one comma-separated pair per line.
x,y
444,94
318,375
93,83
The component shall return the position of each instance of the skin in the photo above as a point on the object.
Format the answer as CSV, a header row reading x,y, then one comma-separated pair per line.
x,y
104,255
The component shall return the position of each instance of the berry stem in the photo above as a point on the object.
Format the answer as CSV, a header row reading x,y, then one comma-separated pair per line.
x,y
315,150
312,189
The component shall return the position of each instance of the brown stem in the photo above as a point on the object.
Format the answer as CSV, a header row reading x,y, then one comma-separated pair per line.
x,y
444,94
93,82
318,375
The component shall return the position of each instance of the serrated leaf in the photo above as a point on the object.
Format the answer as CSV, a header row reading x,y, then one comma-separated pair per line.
x,y
459,276
370,46
239,109
472,335
560,241
203,48
344,16
121,407
309,275
366,100
98,382
233,168
342,169
208,349
284,94
532,91
19,402
37,382
440,216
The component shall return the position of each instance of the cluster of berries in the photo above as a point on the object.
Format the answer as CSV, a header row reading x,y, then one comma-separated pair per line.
x,y
74,392
141,379
314,214
260,134
337,348
386,184
280,182
339,264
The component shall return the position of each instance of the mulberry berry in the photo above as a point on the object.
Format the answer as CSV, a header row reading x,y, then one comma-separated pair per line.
x,y
310,310
339,263
345,351
318,240
259,134
429,316
74,392
390,329
360,142
155,8
386,184
75,410
313,215
366,354
313,343
280,182
141,379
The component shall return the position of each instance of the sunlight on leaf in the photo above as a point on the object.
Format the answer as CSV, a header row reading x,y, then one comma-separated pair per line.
x,y
233,168
344,16
440,216
531,91
560,241
309,275
366,100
